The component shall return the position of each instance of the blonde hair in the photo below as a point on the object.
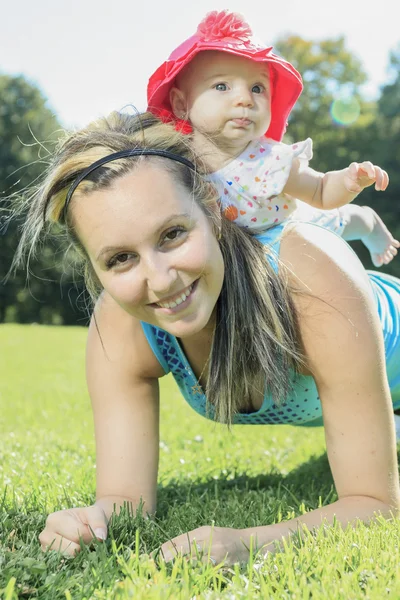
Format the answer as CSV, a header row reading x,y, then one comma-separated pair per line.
x,y
256,340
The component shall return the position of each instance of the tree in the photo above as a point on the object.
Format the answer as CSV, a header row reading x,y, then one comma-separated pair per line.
x,y
28,132
385,133
332,78
331,75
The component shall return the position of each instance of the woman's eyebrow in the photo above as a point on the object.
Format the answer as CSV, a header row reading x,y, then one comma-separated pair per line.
x,y
160,227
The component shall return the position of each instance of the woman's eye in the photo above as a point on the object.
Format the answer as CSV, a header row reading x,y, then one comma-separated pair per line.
x,y
119,259
257,89
221,87
174,234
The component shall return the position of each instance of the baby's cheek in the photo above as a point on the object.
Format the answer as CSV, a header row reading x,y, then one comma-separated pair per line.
x,y
204,120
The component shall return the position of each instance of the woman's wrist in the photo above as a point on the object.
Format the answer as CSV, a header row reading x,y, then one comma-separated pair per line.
x,y
345,511
113,504
263,539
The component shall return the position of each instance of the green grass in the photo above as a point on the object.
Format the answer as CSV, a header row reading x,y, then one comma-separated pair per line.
x,y
253,475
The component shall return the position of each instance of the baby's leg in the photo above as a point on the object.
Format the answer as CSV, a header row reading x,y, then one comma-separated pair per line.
x,y
380,242
397,425
363,223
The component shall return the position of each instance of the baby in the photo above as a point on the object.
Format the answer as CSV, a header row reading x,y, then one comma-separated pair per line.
x,y
234,96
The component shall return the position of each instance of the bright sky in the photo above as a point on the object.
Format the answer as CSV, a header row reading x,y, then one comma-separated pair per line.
x,y
91,57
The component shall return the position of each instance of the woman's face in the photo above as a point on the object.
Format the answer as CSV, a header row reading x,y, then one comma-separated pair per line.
x,y
153,249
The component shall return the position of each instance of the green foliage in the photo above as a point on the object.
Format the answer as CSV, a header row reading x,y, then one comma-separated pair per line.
x,y
332,73
333,77
28,133
329,72
387,131
250,476
384,149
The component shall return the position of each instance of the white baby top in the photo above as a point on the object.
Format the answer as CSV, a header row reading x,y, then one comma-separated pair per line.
x,y
251,186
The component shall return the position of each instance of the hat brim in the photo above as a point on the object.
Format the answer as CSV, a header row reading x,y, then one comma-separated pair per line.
x,y
286,84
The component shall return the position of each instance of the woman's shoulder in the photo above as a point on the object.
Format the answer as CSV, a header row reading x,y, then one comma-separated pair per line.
x,y
120,338
315,256
333,297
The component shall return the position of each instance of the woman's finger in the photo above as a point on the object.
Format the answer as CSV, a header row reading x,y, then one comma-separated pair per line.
x,y
54,541
66,524
95,522
75,525
170,550
190,548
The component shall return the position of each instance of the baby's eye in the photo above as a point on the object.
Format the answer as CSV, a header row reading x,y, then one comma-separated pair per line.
x,y
258,89
221,87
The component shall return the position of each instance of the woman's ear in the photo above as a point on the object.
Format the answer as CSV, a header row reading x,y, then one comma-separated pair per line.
x,y
178,103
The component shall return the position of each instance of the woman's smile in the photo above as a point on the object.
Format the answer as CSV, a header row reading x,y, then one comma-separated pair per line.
x,y
154,249
178,302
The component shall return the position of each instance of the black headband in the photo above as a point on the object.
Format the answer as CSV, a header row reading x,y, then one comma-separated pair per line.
x,y
116,156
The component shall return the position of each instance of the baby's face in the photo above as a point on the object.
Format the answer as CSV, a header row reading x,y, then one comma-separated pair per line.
x,y
226,97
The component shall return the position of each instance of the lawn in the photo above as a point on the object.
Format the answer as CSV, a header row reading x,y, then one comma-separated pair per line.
x,y
249,476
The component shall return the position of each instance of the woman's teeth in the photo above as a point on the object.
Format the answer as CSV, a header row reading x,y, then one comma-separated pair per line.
x,y
178,300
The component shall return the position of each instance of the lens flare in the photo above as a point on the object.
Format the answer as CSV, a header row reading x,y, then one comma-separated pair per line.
x,y
345,111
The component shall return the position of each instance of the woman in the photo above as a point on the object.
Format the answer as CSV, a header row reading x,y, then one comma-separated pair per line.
x,y
279,328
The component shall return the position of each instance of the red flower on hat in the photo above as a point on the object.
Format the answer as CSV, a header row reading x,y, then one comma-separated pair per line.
x,y
221,25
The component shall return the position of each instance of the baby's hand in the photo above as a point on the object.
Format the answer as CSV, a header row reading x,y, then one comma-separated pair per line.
x,y
361,175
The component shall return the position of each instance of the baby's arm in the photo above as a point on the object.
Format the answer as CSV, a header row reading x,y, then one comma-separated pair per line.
x,y
363,223
334,188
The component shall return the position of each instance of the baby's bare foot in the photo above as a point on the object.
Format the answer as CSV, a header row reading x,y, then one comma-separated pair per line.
x,y
380,242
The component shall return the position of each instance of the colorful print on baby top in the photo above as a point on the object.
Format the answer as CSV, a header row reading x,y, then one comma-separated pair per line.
x,y
251,186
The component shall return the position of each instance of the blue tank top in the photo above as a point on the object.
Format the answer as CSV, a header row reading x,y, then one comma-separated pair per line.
x,y
303,406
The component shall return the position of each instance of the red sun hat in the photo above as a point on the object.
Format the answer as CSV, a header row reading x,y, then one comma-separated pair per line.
x,y
227,32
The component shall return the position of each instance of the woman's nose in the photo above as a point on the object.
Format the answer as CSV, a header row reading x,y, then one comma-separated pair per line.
x,y
159,273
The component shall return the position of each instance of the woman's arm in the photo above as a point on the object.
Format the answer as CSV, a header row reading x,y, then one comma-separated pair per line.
x,y
343,344
122,374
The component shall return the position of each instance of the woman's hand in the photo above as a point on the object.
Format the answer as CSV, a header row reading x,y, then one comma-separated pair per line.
x,y
65,528
215,544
